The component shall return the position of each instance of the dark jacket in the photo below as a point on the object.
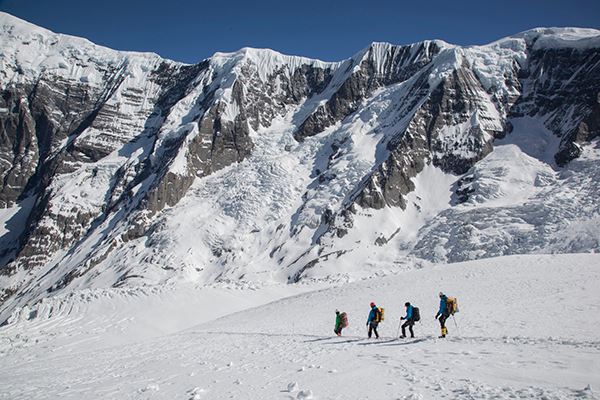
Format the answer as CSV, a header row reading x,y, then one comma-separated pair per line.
x,y
443,306
372,315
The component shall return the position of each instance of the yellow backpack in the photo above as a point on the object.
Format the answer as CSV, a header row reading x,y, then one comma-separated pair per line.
x,y
380,314
452,305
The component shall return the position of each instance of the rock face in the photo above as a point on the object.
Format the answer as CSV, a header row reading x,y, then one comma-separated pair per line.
x,y
564,87
124,168
450,129
378,66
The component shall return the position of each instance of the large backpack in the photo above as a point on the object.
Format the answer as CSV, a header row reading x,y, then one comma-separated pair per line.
x,y
416,315
344,319
452,305
379,314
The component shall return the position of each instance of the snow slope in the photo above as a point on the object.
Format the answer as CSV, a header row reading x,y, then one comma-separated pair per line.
x,y
526,329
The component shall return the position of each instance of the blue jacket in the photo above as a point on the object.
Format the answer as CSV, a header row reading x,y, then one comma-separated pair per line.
x,y
372,314
409,313
443,306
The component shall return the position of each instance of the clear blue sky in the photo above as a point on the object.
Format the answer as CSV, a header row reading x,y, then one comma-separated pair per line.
x,y
331,30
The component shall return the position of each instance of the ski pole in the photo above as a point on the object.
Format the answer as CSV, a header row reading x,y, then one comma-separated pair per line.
x,y
398,332
455,324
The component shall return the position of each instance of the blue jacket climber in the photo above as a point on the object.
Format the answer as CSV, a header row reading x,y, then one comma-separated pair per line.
x,y
409,313
443,313
373,320
443,306
372,314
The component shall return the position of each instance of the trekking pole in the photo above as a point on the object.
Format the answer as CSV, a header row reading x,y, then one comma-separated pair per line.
x,y
455,324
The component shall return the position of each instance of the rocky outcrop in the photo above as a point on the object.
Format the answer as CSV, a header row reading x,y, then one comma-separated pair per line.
x,y
263,100
38,116
451,129
587,130
562,87
380,65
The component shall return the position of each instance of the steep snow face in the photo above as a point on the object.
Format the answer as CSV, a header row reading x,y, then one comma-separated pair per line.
x,y
556,38
30,52
265,61
123,169
386,58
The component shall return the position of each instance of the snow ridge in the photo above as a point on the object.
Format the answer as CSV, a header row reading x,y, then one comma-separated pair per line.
x,y
35,51
266,61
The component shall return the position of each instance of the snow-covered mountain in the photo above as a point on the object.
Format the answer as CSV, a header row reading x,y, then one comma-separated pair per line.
x,y
126,169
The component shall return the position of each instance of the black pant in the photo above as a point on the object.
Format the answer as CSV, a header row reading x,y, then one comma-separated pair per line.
x,y
410,324
373,328
443,319
338,330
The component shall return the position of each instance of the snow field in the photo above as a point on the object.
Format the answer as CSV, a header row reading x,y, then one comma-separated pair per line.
x,y
526,329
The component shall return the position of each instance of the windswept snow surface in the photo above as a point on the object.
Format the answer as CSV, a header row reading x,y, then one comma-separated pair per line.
x,y
527,328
